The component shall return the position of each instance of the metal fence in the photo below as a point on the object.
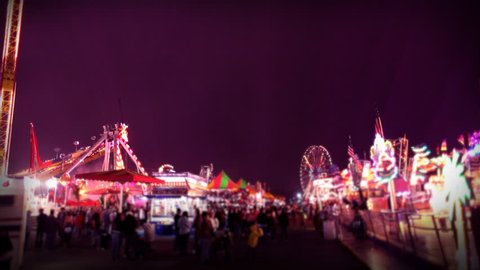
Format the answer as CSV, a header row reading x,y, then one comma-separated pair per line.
x,y
429,237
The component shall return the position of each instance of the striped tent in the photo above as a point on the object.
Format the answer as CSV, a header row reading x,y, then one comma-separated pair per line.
x,y
222,182
242,184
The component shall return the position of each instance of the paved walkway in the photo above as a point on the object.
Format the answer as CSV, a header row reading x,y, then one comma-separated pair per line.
x,y
378,256
303,250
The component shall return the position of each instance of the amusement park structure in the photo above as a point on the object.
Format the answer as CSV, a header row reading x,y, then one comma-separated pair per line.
x,y
13,217
112,141
206,171
401,151
8,84
316,173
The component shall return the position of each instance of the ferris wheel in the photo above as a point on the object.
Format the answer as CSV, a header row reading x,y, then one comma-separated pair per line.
x,y
316,163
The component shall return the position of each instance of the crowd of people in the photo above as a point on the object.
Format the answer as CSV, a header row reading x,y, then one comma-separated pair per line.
x,y
214,231
207,234
103,227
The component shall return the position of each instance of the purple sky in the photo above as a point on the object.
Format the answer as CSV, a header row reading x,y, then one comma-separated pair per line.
x,y
247,85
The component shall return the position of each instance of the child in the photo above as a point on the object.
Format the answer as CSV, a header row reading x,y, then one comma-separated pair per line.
x,y
255,233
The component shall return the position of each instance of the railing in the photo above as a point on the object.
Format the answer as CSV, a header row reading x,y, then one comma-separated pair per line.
x,y
429,237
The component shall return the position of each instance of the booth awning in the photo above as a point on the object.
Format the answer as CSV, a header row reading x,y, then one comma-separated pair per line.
x,y
103,191
121,176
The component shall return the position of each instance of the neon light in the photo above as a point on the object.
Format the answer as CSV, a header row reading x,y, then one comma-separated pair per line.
x,y
123,132
421,165
382,154
456,186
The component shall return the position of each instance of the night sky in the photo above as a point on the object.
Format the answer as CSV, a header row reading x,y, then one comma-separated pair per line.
x,y
246,85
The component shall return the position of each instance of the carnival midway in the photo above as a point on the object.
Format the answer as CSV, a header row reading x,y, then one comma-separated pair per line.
x,y
423,202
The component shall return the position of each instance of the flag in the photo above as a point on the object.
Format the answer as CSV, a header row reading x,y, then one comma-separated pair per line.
x,y
35,160
378,126
351,153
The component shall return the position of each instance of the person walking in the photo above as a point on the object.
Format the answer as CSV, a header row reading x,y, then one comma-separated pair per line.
x,y
176,228
183,232
117,235
41,226
95,228
255,233
61,221
272,222
205,238
283,223
262,220
68,228
196,226
224,244
130,235
51,230
79,222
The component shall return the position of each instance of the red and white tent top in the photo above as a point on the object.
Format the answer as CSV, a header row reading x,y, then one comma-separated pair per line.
x,y
121,176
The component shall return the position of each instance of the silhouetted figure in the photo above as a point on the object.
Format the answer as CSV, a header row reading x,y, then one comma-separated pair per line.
x,y
176,228
183,233
41,227
6,250
262,220
68,227
51,230
117,235
224,243
272,223
205,238
196,226
130,235
358,225
283,223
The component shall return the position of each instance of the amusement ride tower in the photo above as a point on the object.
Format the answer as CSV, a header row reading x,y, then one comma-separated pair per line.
x,y
7,80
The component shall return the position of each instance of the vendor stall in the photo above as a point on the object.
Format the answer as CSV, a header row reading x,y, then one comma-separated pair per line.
x,y
184,191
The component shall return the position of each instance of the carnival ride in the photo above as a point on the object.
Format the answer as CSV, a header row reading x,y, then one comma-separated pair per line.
x,y
316,174
8,84
13,215
79,173
206,171
315,164
112,141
